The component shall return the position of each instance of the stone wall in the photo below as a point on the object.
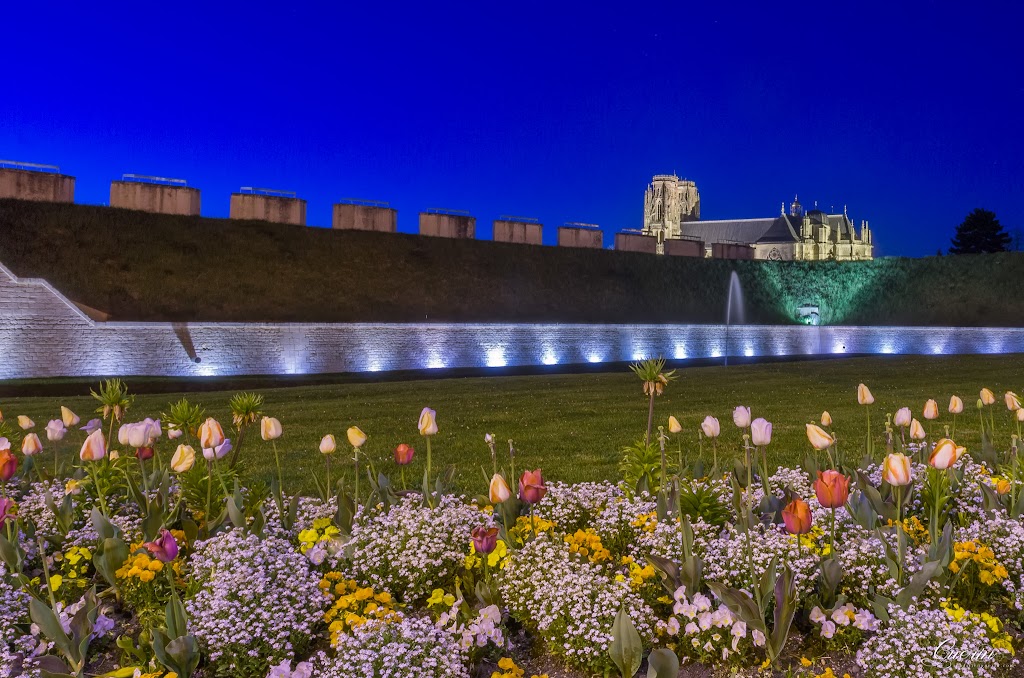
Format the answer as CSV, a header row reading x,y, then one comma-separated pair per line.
x,y
42,334
525,232
634,242
580,237
447,225
273,208
356,217
45,186
158,198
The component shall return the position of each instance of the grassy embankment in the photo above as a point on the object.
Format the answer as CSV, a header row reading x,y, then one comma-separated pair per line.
x,y
139,266
574,426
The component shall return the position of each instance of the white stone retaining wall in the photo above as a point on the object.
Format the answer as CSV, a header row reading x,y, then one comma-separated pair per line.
x,y
43,334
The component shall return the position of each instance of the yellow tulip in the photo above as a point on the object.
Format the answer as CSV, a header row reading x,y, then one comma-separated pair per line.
x,y
819,438
1012,401
916,430
956,405
673,425
499,490
184,459
31,445
826,418
356,437
987,397
68,417
864,396
931,409
428,422
270,428
25,423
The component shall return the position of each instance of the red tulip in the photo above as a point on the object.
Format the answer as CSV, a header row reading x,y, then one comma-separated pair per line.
x,y
8,465
832,489
144,453
797,516
165,548
8,509
531,487
485,539
403,454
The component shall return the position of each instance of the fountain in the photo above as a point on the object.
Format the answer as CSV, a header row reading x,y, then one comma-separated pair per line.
x,y
735,297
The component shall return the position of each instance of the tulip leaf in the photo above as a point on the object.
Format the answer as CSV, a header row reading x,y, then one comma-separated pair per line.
x,y
928,571
662,663
626,649
110,555
184,650
739,603
43,617
104,528
52,667
785,609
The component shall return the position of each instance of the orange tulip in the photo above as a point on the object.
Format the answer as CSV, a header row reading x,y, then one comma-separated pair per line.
x,y
931,409
832,489
956,405
403,454
8,465
797,517
499,490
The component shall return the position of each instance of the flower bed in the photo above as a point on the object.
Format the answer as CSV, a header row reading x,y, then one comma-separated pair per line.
x,y
149,559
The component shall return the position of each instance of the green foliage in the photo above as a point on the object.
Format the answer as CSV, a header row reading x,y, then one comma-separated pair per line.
x,y
980,233
626,649
113,398
246,409
699,501
641,463
184,416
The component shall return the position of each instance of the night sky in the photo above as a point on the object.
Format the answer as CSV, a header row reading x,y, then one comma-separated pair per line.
x,y
909,116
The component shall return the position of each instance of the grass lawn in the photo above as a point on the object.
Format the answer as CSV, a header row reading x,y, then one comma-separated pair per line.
x,y
573,426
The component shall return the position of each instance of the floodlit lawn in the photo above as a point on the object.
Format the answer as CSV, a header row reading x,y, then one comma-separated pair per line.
x,y
574,426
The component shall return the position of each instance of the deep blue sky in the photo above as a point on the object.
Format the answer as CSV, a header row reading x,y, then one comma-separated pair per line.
x,y
910,116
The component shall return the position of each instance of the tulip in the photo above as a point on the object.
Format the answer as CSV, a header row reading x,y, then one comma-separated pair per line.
x,y
55,430
960,451
832,489
1003,486
25,423
499,490
94,448
711,427
8,464
210,434
173,432
902,417
356,437
5,444
531,487
219,452
931,409
944,454
328,444
819,438
144,454
404,454
184,459
1012,401
864,396
760,432
1020,414
797,517
30,445
741,416
673,425
956,405
826,418
8,510
122,433
91,425
164,548
484,539
896,470
139,435
68,417
270,428
428,422
987,396
489,438
916,430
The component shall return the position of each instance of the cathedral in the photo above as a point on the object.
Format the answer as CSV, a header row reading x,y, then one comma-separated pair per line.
x,y
672,211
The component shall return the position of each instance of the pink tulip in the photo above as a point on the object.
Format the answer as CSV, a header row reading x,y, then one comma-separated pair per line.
x,y
531,487
164,548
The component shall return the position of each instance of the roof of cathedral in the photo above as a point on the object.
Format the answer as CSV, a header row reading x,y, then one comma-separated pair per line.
x,y
771,229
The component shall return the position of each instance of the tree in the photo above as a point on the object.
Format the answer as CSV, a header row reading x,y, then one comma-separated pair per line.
x,y
980,232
